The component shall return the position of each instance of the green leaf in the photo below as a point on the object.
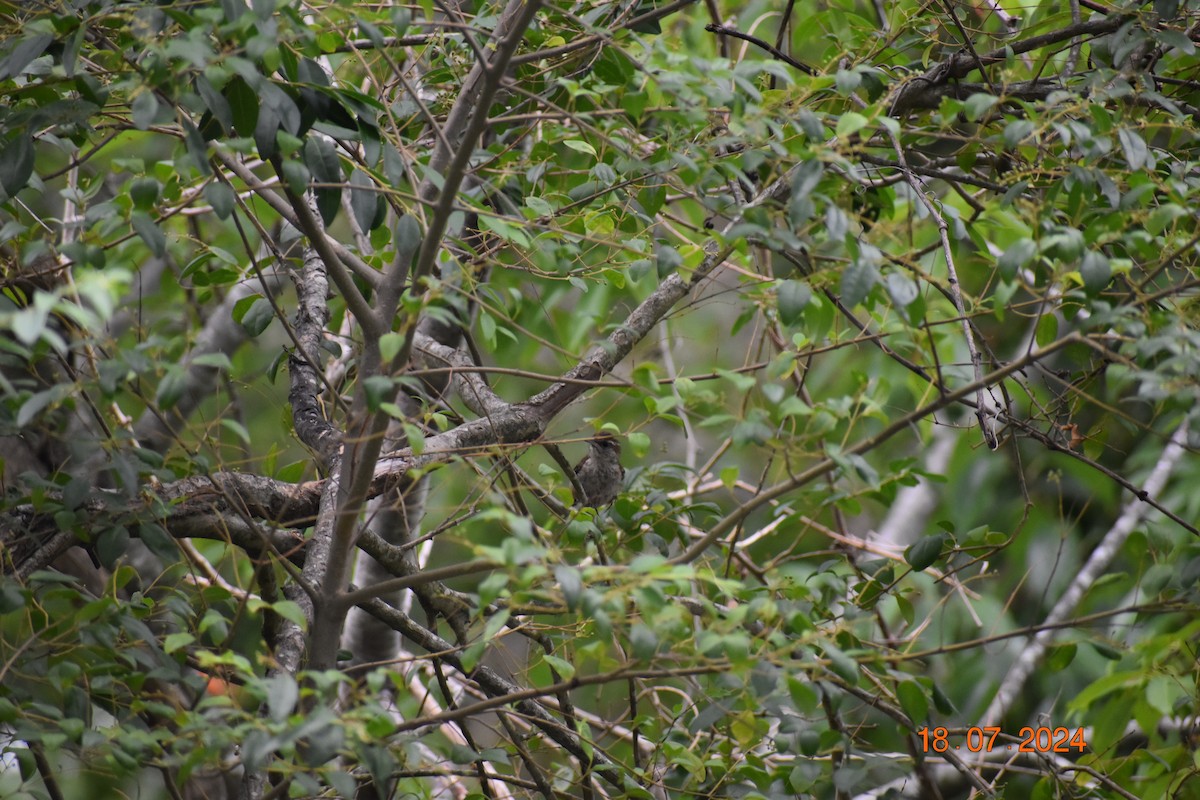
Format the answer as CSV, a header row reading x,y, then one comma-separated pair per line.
x,y
171,387
16,163
643,641
389,346
1046,330
913,700
1107,652
291,611
326,168
257,316
851,123
282,695
144,192
1095,271
238,430
40,401
902,289
1136,152
25,51
847,81
570,582
941,701
580,146
149,232
243,106
365,201
1177,39
112,545
145,110
857,281
1016,132
12,598
177,641
218,104
158,541
29,324
841,664
921,554
979,104
296,175
378,388
221,197
564,668
792,298
1018,254
667,260
407,238
1166,9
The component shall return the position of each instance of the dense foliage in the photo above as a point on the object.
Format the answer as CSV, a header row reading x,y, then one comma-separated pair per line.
x,y
308,309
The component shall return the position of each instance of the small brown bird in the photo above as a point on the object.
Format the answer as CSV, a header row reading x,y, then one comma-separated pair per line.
x,y
600,473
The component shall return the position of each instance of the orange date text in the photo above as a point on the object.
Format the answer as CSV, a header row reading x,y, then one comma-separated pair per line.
x,y
987,740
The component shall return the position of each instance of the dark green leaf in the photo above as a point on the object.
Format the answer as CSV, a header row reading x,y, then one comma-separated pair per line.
x,y
652,196
296,175
16,163
643,642
364,200
913,700
112,545
12,596
265,129
841,664
1177,39
326,168
379,389
25,51
159,541
1166,9
667,260
372,143
1107,652
217,103
1095,271
151,234
243,106
941,701
281,104
221,197
144,193
171,387
197,147
921,554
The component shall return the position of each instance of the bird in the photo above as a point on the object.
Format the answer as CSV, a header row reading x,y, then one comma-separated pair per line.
x,y
600,473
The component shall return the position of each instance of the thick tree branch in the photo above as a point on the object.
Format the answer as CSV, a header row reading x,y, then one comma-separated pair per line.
x,y
312,314
922,90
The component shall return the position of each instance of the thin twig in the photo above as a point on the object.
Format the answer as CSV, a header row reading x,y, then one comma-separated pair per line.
x,y
725,30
